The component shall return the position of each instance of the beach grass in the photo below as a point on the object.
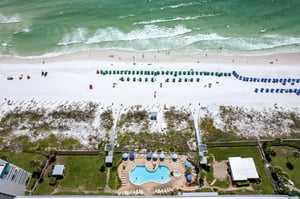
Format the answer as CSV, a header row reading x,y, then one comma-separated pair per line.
x,y
284,154
155,141
222,153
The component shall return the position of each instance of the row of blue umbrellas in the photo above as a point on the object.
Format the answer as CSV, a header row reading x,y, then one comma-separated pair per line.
x,y
167,72
277,90
283,81
149,156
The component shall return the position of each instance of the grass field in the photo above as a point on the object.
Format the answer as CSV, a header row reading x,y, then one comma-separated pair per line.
x,y
283,155
222,153
22,159
82,174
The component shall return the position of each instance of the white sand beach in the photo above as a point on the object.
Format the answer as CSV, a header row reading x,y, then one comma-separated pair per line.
x,y
69,77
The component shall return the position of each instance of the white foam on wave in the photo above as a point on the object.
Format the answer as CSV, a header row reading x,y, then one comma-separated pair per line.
x,y
23,30
6,20
76,36
6,44
147,32
173,19
264,42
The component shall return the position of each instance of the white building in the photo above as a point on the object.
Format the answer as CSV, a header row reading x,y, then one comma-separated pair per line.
x,y
242,169
13,180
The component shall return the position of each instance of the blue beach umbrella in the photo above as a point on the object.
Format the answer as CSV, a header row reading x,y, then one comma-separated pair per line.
x,y
189,177
125,156
188,164
149,156
131,156
162,156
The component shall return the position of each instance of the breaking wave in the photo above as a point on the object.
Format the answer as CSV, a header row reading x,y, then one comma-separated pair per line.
x,y
23,30
147,32
76,36
6,20
173,19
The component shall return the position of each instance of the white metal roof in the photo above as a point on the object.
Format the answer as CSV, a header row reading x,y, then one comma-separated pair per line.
x,y
242,168
58,170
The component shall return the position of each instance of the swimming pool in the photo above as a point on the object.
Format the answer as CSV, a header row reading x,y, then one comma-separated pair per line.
x,y
140,175
177,173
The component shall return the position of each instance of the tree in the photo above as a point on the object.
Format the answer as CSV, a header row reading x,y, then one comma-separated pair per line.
x,y
277,141
296,154
36,165
278,170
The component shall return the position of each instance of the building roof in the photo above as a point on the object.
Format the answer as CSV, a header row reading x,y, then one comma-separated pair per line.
x,y
13,180
200,196
58,170
242,168
108,159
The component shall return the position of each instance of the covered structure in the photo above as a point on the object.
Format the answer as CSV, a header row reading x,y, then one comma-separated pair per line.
x,y
242,169
13,180
58,170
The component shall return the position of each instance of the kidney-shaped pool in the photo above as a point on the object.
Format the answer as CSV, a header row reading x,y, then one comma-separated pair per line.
x,y
140,175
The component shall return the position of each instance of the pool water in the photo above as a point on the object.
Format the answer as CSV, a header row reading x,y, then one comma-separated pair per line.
x,y
140,175
177,173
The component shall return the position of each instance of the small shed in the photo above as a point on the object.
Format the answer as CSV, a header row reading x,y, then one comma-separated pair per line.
x,y
58,170
153,116
108,160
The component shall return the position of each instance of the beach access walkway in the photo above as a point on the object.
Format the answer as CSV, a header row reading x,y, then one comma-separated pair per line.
x,y
195,113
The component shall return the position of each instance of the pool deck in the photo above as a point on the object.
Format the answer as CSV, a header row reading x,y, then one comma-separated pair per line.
x,y
153,188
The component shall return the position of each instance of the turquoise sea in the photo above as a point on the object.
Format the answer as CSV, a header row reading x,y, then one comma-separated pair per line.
x,y
30,28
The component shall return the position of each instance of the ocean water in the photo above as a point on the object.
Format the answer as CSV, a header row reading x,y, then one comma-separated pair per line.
x,y
31,28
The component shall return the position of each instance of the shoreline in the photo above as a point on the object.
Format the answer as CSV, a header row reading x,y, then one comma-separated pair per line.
x,y
159,57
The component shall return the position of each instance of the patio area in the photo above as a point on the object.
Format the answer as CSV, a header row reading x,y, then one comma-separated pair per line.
x,y
177,175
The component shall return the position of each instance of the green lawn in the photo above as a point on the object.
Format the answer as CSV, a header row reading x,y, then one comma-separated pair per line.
x,y
283,155
114,180
222,153
22,159
82,172
221,184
